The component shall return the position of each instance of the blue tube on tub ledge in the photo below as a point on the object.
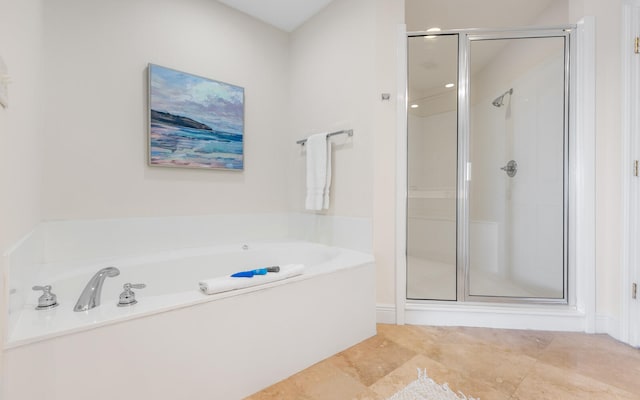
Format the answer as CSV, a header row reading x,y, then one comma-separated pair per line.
x,y
253,272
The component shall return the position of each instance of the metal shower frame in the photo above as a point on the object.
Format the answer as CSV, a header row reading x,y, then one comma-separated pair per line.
x,y
465,38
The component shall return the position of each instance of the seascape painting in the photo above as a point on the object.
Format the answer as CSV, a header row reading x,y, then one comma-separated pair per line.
x,y
195,122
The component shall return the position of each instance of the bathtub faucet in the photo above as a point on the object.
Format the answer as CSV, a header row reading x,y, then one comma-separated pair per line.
x,y
90,296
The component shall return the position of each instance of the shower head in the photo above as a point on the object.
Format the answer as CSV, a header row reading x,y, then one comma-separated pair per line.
x,y
499,101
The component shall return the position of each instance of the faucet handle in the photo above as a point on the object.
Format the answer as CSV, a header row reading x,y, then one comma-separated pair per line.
x,y
47,300
134,286
128,296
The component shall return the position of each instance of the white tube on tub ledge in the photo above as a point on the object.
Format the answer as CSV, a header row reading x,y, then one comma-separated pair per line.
x,y
227,283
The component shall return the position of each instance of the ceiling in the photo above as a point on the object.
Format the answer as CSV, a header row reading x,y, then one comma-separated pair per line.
x,y
420,14
459,14
283,14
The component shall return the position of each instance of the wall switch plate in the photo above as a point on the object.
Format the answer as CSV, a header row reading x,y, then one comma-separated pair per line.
x,y
4,84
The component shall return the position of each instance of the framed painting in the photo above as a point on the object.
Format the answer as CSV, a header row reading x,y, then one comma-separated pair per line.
x,y
194,122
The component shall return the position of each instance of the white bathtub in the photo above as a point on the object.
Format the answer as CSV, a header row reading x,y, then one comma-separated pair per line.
x,y
179,343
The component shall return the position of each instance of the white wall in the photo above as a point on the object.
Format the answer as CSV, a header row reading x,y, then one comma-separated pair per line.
x,y
96,56
332,71
608,19
390,13
21,25
341,61
21,151
608,154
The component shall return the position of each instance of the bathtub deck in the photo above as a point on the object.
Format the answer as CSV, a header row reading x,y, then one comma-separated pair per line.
x,y
229,348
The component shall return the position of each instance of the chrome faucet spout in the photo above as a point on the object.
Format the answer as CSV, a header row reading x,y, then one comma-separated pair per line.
x,y
90,297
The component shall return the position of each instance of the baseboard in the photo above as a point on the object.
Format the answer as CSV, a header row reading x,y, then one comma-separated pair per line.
x,y
385,313
505,317
551,318
609,325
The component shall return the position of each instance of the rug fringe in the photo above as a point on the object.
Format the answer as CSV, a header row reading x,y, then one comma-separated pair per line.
x,y
422,376
425,386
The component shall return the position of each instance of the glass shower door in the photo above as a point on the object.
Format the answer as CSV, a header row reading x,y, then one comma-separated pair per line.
x,y
432,167
517,168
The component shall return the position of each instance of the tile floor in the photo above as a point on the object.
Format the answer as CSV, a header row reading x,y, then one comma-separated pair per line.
x,y
490,364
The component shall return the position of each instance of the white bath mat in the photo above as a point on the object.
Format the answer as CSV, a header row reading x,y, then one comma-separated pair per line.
x,y
424,388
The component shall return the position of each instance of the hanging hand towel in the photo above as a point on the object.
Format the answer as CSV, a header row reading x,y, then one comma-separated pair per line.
x,y
327,185
318,172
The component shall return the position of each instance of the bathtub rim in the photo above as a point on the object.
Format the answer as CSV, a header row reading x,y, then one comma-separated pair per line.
x,y
363,259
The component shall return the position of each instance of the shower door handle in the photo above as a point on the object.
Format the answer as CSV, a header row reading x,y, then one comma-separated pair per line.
x,y
511,168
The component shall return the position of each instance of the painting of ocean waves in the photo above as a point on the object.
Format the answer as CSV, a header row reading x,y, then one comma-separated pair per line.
x,y
194,122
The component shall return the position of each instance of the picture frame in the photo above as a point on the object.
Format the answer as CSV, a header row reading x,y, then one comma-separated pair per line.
x,y
194,122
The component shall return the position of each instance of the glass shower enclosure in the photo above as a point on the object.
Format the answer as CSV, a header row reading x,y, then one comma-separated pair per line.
x,y
487,165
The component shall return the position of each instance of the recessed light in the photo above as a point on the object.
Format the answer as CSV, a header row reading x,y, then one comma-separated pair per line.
x,y
414,106
449,85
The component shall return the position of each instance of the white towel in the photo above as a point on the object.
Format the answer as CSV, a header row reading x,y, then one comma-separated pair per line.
x,y
227,283
318,172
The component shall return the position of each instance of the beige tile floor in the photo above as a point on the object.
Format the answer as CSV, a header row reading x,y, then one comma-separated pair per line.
x,y
491,364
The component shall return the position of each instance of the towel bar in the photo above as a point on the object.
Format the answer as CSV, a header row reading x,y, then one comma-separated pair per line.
x,y
349,132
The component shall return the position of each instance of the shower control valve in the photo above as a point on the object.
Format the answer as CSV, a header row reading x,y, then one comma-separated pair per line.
x,y
511,168
128,296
